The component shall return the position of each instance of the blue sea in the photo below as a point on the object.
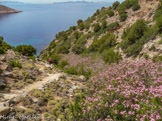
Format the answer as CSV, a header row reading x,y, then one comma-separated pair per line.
x,y
38,24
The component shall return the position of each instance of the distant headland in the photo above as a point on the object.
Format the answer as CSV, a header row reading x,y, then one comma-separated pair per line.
x,y
5,10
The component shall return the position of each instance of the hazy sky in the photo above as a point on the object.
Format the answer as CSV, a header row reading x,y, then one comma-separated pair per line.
x,y
51,1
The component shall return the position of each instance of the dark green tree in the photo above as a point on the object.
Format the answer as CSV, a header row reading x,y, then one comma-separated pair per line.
x,y
26,50
79,21
97,27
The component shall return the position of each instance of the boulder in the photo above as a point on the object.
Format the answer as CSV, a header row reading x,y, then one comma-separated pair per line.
x,y
2,84
13,119
7,74
56,77
10,54
2,59
82,78
5,67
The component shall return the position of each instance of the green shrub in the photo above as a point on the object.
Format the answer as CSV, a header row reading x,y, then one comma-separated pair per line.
x,y
159,24
76,34
78,71
110,27
146,56
87,26
26,50
152,48
1,41
104,24
110,13
156,58
62,49
136,36
3,46
81,26
62,35
158,12
97,27
160,42
32,58
2,51
109,56
107,41
135,32
71,70
136,7
79,21
51,46
78,49
115,5
14,63
123,17
126,5
87,73
63,64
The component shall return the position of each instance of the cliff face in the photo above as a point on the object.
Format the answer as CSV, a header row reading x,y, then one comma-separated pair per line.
x,y
4,10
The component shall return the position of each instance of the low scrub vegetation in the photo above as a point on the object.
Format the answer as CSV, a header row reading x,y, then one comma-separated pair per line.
x,y
97,27
126,5
78,71
158,12
136,36
26,50
4,46
115,5
109,56
106,42
110,12
15,63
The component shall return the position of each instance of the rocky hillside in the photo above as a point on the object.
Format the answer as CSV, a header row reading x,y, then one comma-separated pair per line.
x,y
4,10
110,31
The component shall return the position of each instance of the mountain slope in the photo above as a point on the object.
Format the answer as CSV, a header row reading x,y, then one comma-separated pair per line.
x,y
86,37
4,10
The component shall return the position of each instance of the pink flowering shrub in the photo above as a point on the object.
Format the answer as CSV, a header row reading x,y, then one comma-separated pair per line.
x,y
126,91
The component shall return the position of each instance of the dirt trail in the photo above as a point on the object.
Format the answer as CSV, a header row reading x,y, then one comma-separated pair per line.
x,y
48,78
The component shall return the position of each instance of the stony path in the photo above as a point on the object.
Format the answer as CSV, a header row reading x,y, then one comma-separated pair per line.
x,y
48,78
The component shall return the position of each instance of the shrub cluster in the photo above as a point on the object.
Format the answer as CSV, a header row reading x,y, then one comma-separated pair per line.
x,y
26,50
78,49
109,56
110,12
97,27
106,42
4,46
115,5
157,58
158,12
14,64
136,36
126,5
81,26
78,71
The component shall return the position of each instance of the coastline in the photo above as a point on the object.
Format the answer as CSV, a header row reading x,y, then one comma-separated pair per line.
x,y
6,12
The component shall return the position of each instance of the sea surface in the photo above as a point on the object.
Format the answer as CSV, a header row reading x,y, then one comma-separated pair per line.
x,y
37,25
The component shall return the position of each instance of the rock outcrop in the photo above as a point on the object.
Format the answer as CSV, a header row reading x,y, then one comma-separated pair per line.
x,y
5,10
